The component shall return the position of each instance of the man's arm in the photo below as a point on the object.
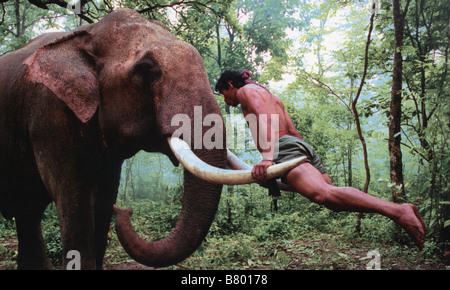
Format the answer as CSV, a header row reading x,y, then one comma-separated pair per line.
x,y
267,128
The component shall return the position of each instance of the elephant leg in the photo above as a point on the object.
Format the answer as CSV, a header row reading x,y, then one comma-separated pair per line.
x,y
67,161
102,225
32,254
71,184
76,218
104,200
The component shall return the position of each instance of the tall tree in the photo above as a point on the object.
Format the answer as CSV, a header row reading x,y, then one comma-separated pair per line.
x,y
395,152
425,73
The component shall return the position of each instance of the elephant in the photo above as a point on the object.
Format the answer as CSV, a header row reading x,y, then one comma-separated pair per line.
x,y
75,105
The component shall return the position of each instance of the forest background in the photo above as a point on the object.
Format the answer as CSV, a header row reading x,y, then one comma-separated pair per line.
x,y
365,82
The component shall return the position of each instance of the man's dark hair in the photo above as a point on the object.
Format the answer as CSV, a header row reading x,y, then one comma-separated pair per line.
x,y
233,76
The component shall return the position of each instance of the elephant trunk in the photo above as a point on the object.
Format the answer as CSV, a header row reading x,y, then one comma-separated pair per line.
x,y
200,202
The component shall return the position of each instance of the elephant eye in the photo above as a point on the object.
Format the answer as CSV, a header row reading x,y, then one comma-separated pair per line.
x,y
145,73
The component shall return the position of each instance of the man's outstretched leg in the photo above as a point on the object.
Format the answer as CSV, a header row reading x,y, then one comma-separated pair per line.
x,y
309,182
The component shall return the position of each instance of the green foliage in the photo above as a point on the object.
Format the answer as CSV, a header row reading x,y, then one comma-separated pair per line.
x,y
155,220
21,21
52,236
248,234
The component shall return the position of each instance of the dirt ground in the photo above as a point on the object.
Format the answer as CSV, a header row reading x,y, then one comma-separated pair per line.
x,y
302,254
128,266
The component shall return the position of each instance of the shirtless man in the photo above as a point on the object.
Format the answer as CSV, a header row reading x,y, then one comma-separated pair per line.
x,y
309,179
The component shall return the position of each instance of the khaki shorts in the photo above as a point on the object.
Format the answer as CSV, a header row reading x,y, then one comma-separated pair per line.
x,y
289,147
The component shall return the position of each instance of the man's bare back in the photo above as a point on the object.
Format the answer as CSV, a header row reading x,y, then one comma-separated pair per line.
x,y
258,100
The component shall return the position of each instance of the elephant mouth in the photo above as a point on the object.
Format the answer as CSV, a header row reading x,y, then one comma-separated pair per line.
x,y
166,150
241,173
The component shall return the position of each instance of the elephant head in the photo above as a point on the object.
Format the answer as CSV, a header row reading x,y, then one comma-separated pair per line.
x,y
131,77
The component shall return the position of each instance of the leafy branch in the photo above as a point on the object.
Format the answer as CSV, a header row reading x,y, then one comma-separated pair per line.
x,y
318,83
205,5
88,17
91,12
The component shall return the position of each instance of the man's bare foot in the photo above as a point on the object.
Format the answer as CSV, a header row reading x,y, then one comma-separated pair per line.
x,y
412,223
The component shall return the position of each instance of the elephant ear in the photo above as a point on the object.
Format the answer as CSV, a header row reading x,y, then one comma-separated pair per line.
x,y
66,67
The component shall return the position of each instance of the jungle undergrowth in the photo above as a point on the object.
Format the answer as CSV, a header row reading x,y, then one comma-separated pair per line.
x,y
248,234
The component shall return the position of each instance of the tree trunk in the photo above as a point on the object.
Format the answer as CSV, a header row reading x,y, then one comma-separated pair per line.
x,y
395,153
357,121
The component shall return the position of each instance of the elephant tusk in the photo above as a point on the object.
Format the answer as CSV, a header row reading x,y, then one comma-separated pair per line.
x,y
235,163
223,176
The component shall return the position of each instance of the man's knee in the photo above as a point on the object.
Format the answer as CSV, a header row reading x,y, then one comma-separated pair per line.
x,y
320,197
325,197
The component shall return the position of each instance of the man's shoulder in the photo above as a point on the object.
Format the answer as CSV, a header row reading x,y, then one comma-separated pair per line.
x,y
251,87
251,90
247,95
